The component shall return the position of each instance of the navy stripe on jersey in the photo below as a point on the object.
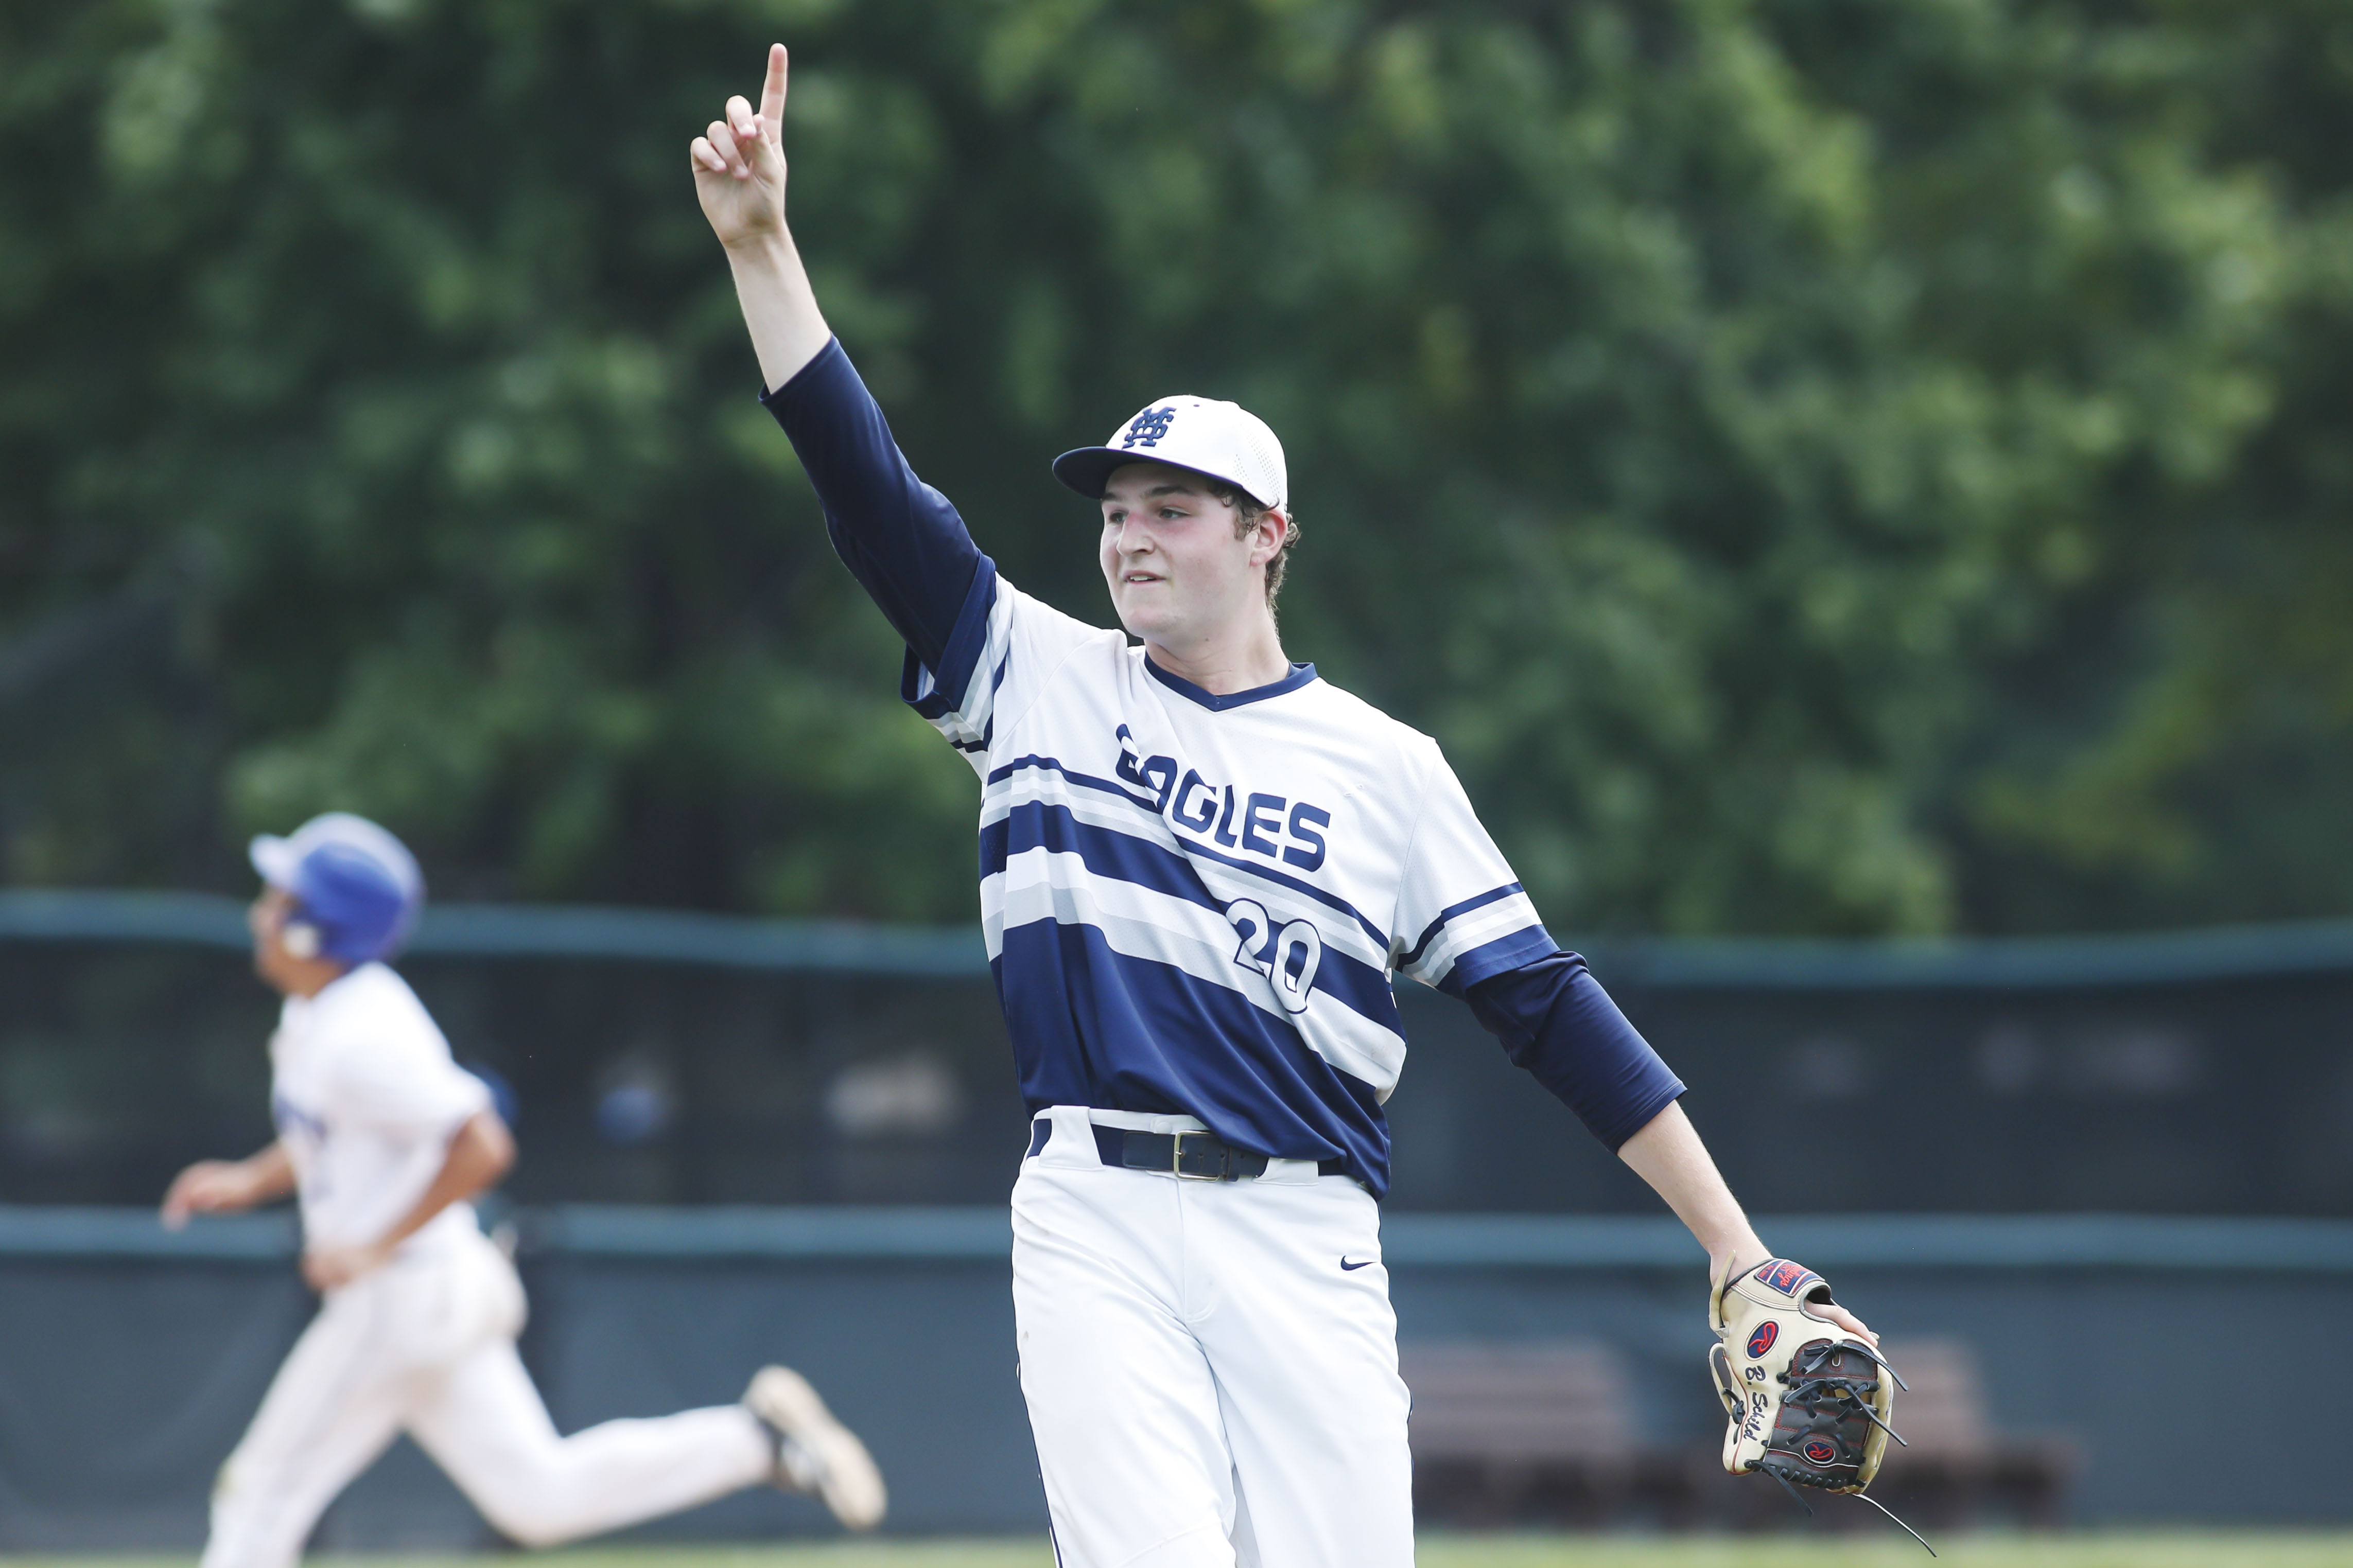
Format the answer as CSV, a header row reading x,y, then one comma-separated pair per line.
x,y
1447,915
1192,846
1092,1026
1085,781
936,689
1122,856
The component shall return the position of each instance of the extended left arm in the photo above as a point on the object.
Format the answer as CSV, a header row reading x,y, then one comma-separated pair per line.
x,y
1669,1155
479,1154
1554,1020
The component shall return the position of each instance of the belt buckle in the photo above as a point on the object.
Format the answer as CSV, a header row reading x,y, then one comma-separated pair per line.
x,y
1177,1160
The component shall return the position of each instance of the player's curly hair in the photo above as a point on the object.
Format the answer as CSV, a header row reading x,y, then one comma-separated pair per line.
x,y
1247,512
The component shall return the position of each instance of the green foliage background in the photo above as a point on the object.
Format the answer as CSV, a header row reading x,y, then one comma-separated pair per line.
x,y
1830,466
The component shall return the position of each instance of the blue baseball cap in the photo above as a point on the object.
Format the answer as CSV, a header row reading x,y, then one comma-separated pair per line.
x,y
355,883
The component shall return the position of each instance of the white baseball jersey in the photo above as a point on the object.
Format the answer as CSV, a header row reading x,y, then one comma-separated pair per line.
x,y
366,1101
1194,903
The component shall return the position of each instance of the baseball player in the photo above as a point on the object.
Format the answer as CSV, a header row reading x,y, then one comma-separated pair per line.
x,y
383,1140
1202,867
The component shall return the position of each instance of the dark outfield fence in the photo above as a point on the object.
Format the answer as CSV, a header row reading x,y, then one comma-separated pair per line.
x,y
676,1058
2079,1156
130,1360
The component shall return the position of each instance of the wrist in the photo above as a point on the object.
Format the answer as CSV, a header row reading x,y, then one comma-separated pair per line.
x,y
767,250
1728,1253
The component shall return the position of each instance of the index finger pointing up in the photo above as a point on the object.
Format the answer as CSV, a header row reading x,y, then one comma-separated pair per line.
x,y
772,91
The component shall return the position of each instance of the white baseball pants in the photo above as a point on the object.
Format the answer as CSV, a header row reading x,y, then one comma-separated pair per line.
x,y
1210,1387
427,1345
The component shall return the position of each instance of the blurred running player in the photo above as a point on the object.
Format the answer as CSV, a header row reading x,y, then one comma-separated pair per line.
x,y
383,1140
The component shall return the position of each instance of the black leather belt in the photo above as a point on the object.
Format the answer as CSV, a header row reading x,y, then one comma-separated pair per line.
x,y
1199,1156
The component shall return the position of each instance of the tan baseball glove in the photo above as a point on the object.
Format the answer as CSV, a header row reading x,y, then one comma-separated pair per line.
x,y
1808,1404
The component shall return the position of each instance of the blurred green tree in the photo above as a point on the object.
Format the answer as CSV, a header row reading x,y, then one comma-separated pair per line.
x,y
1829,466
2177,744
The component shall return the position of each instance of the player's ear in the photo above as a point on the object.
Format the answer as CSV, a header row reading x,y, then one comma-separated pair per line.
x,y
1267,537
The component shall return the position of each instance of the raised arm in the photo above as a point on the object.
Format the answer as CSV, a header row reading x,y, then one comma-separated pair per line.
x,y
739,177
899,538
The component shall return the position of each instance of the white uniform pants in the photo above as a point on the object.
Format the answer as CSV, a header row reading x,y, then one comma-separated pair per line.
x,y
427,1345
1210,1387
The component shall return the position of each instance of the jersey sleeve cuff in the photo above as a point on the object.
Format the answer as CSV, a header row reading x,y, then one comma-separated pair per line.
x,y
946,693
827,363
1518,948
1640,1114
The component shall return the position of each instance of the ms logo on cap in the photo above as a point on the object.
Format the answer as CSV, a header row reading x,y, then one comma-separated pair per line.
x,y
1146,428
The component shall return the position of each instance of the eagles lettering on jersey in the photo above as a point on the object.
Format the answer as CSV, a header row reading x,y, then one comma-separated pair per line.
x,y
1194,802
1196,903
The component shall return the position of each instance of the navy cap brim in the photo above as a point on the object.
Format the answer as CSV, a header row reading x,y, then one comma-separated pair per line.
x,y
1088,470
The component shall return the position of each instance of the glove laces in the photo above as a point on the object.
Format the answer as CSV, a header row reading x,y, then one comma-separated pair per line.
x,y
1829,1400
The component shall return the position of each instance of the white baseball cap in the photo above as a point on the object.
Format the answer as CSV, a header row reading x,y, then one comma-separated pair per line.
x,y
1222,440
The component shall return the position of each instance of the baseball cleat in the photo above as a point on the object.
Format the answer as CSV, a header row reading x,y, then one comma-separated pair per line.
x,y
815,1452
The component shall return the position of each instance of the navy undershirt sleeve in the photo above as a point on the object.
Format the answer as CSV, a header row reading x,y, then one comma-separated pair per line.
x,y
899,537
1554,1020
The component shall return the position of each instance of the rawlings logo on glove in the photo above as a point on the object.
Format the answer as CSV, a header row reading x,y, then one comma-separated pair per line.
x,y
1806,1402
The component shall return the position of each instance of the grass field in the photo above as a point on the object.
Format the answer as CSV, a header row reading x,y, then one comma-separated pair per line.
x,y
2203,1550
